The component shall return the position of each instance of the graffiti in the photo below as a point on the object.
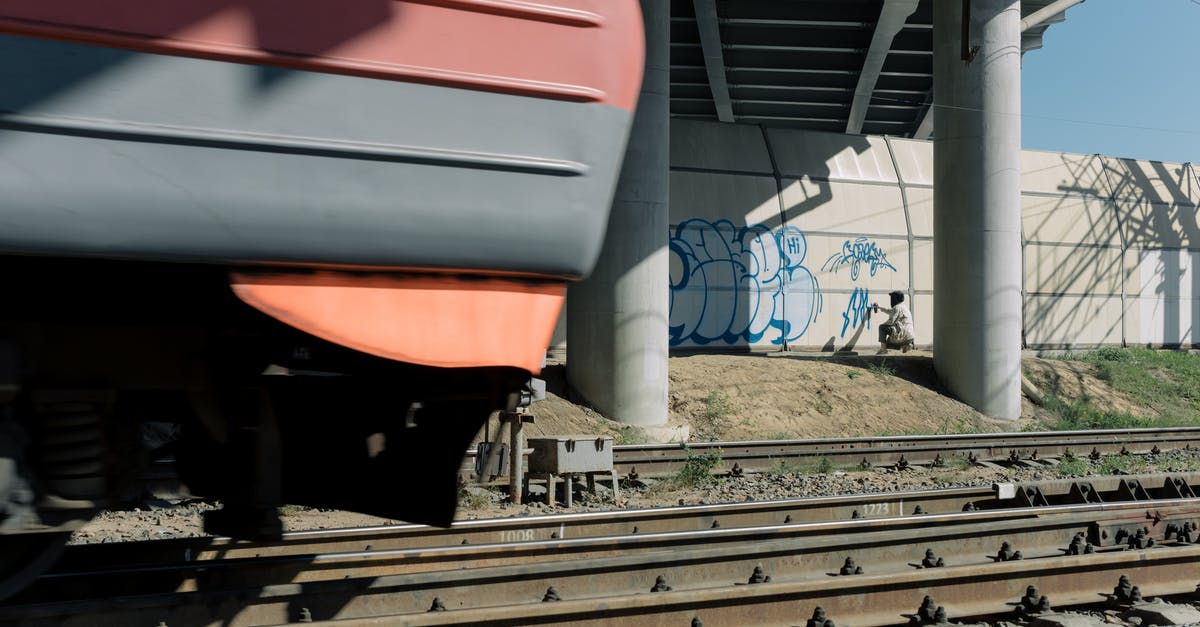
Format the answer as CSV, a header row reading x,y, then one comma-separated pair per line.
x,y
734,284
855,254
857,312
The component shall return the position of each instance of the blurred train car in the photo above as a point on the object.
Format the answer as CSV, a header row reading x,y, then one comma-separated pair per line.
x,y
288,228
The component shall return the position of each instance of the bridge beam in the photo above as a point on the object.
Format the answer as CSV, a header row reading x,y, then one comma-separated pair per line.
x,y
977,203
714,59
891,20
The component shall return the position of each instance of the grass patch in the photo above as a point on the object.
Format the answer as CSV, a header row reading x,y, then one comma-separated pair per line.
x,y
781,435
948,426
1072,465
1122,464
1167,382
1190,464
1082,415
853,374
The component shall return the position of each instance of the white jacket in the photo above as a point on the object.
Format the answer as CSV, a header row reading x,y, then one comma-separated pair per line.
x,y
901,318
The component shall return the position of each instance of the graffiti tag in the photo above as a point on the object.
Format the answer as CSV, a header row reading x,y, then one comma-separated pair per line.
x,y
855,254
857,310
733,284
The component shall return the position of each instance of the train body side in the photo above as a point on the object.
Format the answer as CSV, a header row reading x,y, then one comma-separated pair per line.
x,y
439,135
323,240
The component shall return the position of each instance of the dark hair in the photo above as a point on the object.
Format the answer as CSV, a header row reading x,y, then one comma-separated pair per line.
x,y
897,297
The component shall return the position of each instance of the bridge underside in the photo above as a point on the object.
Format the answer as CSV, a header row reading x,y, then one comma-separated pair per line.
x,y
871,67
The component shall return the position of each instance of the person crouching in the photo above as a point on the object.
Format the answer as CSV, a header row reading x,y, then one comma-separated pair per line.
x,y
897,332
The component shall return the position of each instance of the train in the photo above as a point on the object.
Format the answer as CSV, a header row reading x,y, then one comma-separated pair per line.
x,y
320,242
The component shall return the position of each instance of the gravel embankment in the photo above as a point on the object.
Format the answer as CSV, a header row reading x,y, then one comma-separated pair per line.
x,y
164,520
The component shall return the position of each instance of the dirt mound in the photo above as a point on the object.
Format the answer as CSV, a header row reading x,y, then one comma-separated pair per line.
x,y
799,395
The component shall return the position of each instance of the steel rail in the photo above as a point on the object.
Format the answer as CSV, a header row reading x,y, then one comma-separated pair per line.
x,y
586,524
495,574
544,527
753,456
966,592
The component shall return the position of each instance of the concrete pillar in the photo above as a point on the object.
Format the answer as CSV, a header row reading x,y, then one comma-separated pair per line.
x,y
977,204
617,318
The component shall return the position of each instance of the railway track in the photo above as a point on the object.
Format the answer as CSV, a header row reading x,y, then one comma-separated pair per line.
x,y
652,460
1033,448
600,574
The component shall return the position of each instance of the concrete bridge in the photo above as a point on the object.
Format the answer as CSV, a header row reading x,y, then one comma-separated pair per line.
x,y
785,134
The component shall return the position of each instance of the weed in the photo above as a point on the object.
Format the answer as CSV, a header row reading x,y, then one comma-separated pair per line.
x,y
882,369
1122,464
697,469
630,434
1110,354
716,405
956,426
473,499
957,463
822,406
785,467
781,435
949,426
853,374
792,466
1072,467
1190,464
289,510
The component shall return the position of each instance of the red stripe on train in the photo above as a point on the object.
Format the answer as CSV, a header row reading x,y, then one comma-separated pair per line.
x,y
578,50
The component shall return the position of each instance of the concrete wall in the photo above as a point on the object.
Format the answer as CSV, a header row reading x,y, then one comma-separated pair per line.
x,y
782,238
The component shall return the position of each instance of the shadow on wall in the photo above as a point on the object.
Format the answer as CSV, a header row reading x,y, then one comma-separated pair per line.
x,y
1171,224
1083,266
1067,293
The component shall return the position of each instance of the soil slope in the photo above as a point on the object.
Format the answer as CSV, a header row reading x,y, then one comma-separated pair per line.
x,y
810,395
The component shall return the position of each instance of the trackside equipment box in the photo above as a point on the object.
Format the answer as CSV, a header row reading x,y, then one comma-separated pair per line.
x,y
570,454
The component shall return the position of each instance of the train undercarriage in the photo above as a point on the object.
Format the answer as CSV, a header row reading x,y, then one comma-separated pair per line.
x,y
93,353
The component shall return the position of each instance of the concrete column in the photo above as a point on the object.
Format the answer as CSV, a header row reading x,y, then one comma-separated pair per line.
x,y
977,204
617,318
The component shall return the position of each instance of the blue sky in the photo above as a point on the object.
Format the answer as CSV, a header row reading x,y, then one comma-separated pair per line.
x,y
1126,67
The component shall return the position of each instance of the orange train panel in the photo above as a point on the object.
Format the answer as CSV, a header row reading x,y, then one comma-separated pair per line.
x,y
431,320
576,50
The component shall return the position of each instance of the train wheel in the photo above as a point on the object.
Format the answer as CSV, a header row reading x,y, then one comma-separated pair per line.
x,y
24,556
32,535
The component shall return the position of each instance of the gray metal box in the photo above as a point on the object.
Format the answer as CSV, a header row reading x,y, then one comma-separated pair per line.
x,y
568,454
